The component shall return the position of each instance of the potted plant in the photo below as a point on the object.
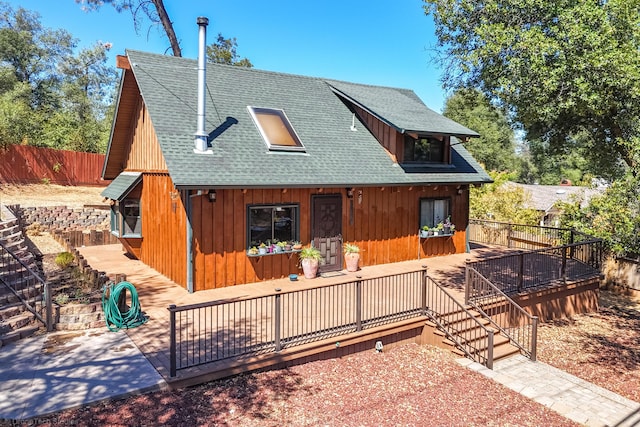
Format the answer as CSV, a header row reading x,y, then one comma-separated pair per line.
x,y
262,249
351,256
439,229
279,246
253,251
310,260
287,246
448,226
424,231
296,246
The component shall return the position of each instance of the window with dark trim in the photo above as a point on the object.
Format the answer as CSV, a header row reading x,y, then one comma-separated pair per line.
x,y
126,220
434,211
271,223
276,129
423,149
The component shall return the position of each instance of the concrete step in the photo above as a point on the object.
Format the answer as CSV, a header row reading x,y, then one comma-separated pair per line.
x,y
20,333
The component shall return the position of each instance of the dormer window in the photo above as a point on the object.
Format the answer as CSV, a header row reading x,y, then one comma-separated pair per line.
x,y
276,129
423,149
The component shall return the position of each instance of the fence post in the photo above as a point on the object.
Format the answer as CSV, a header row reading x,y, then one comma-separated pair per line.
x,y
508,235
490,349
48,303
423,291
520,270
277,316
534,339
563,270
467,282
358,303
172,340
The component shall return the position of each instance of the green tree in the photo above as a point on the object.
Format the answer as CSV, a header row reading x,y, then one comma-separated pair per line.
x,y
48,95
495,148
224,51
567,70
614,216
153,10
499,201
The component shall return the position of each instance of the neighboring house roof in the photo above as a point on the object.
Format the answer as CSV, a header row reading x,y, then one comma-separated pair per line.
x,y
334,155
122,185
544,197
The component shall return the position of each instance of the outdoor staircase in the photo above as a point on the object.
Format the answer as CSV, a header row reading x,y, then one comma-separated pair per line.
x,y
472,335
16,321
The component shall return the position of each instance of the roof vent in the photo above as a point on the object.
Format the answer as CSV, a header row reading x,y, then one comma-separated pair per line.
x,y
201,135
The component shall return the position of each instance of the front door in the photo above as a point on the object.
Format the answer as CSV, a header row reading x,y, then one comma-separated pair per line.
x,y
326,229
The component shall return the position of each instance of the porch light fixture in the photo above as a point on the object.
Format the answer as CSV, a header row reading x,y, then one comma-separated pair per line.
x,y
212,196
349,192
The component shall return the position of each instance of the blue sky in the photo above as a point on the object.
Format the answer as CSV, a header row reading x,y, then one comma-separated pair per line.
x,y
381,42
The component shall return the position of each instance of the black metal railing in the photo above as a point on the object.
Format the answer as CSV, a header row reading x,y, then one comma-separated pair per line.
x,y
461,326
512,320
27,285
208,332
523,271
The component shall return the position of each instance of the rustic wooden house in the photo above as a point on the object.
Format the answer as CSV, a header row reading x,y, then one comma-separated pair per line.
x,y
277,156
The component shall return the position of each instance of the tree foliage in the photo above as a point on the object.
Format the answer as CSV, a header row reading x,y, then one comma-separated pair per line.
x,y
224,51
567,70
495,148
499,201
153,10
614,216
50,96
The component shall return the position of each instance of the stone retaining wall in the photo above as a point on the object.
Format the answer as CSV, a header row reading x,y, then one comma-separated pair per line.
x,y
95,217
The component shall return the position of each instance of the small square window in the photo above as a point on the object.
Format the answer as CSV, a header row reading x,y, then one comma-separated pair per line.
x,y
276,129
423,149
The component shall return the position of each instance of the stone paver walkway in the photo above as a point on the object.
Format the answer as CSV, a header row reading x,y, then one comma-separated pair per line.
x,y
564,393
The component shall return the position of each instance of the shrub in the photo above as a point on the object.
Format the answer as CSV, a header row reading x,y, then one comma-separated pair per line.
x,y
64,259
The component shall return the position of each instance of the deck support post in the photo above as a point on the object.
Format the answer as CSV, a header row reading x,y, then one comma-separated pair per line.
x,y
359,305
490,349
534,339
277,321
172,340
423,290
49,306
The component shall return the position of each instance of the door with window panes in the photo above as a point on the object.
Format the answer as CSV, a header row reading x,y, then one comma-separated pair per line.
x,y
326,230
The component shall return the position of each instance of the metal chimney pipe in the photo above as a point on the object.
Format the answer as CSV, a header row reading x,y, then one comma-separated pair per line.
x,y
201,136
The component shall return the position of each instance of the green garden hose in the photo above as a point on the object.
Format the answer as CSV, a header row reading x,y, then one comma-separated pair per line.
x,y
116,319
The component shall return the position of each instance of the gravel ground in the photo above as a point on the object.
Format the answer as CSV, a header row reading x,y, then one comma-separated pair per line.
x,y
409,385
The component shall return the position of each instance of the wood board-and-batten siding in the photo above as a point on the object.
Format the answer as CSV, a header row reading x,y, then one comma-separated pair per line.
x,y
384,225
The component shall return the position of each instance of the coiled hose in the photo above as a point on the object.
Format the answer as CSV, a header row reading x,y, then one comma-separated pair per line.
x,y
116,319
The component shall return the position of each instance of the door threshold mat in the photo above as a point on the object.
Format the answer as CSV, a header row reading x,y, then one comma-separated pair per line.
x,y
332,274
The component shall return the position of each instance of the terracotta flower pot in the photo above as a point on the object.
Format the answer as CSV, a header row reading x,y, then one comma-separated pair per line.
x,y
352,261
310,268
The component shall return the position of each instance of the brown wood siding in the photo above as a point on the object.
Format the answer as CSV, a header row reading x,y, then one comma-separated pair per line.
x,y
24,164
385,226
144,152
390,138
163,244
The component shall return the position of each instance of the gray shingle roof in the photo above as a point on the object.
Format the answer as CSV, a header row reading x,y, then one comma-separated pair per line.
x,y
121,185
335,155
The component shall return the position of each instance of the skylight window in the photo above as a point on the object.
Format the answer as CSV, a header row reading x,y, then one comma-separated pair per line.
x,y
276,129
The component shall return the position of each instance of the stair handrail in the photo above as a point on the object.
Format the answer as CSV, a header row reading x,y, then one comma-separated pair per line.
x,y
474,295
48,319
454,335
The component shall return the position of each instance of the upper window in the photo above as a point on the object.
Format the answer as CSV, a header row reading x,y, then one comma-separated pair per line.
x,y
433,211
272,223
276,130
423,149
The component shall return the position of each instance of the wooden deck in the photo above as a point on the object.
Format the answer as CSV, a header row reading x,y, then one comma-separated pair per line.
x,y
156,293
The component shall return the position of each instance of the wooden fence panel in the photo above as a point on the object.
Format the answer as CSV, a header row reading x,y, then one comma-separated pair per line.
x,y
24,164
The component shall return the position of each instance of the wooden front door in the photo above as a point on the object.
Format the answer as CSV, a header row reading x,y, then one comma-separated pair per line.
x,y
326,229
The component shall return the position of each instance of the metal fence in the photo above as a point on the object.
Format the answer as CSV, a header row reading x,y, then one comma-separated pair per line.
x,y
26,286
208,332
